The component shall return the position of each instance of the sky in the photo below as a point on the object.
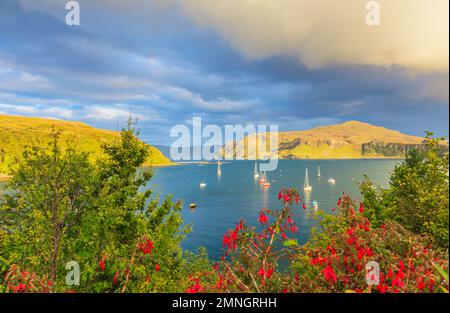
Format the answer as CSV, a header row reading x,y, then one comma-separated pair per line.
x,y
294,63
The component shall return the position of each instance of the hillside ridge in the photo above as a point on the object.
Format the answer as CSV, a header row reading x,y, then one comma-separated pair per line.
x,y
348,140
18,131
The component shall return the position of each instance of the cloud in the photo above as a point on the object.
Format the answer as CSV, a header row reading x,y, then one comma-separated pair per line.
x,y
37,111
412,34
109,113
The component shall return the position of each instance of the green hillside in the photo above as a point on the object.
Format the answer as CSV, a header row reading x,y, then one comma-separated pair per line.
x,y
17,132
349,140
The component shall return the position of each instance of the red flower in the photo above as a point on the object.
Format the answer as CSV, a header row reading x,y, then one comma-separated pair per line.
x,y
116,276
269,272
196,288
304,206
147,247
261,272
19,288
157,267
329,275
263,218
102,264
294,228
361,208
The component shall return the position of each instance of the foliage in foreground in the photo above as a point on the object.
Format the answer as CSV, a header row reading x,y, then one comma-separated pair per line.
x,y
65,208
334,260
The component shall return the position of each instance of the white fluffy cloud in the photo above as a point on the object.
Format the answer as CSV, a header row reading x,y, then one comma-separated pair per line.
x,y
413,34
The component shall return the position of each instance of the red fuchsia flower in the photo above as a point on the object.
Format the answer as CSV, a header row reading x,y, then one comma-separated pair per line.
x,y
420,284
196,288
304,206
369,251
361,253
147,247
329,274
297,199
157,267
289,220
361,208
383,226
294,228
338,202
261,272
283,234
263,219
220,282
382,288
269,272
116,276
280,195
101,264
333,209
390,273
19,288
332,250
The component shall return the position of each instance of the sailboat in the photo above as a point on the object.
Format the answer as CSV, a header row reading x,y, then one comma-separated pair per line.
x,y
256,173
266,182
219,169
318,172
262,178
307,186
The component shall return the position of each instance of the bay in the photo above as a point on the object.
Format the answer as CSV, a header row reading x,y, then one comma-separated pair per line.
x,y
236,195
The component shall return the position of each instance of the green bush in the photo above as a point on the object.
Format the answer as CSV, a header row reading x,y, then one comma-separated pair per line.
x,y
417,196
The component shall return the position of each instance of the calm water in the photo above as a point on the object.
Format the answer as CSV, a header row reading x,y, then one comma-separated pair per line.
x,y
236,195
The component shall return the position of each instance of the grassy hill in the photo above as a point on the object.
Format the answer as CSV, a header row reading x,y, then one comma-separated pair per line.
x,y
17,132
348,140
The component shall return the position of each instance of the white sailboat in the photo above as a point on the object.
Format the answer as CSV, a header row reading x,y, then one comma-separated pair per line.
x,y
256,173
307,186
219,169
318,172
266,182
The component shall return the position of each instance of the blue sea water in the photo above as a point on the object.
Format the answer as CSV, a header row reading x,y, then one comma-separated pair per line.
x,y
236,195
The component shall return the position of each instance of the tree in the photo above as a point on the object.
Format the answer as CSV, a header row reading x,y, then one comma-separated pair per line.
x,y
51,193
62,208
417,196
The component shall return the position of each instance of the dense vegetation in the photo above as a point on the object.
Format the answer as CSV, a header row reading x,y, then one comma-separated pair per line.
x,y
62,208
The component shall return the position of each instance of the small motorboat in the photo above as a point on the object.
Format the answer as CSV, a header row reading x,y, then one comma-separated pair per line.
x,y
192,206
315,205
332,181
202,185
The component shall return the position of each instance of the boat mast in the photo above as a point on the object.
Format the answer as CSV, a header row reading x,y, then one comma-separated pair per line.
x,y
219,170
306,179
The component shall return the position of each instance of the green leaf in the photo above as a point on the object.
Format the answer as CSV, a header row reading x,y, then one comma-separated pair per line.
x,y
441,271
290,243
